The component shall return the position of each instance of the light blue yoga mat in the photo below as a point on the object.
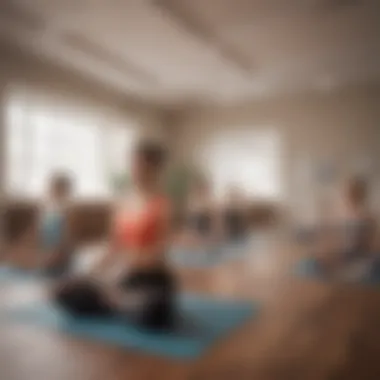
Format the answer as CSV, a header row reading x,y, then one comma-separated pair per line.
x,y
8,274
198,258
208,257
309,268
11,274
203,322
236,250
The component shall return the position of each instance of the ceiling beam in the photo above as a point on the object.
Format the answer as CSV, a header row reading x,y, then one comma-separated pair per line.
x,y
22,17
111,59
337,5
194,26
40,68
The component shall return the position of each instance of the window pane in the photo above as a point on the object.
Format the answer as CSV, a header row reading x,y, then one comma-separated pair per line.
x,y
43,137
250,160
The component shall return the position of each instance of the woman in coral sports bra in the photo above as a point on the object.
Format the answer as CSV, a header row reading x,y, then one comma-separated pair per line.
x,y
144,288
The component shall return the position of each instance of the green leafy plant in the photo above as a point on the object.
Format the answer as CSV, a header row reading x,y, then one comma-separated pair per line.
x,y
178,183
120,182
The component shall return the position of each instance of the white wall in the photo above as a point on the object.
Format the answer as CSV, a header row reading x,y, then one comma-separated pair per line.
x,y
2,165
342,127
32,74
18,68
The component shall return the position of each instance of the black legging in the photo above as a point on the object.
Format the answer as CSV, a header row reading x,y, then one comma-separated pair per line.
x,y
200,222
235,224
86,298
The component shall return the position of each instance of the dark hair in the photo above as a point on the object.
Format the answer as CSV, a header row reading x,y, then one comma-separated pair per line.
x,y
61,182
152,152
358,189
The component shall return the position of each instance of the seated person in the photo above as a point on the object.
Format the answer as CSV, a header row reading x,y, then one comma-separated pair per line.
x,y
354,231
234,216
49,238
53,226
200,220
142,289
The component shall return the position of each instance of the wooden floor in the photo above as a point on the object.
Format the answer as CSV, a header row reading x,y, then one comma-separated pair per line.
x,y
307,330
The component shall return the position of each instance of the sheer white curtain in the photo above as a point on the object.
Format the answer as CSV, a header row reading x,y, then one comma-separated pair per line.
x,y
118,148
44,136
248,159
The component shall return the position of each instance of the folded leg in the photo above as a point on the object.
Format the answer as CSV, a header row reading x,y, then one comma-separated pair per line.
x,y
82,297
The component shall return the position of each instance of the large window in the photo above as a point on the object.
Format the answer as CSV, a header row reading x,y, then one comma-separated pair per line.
x,y
45,135
248,159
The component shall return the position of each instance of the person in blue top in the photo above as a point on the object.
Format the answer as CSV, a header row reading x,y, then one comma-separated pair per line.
x,y
53,228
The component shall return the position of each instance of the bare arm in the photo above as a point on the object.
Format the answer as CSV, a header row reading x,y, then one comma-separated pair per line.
x,y
110,256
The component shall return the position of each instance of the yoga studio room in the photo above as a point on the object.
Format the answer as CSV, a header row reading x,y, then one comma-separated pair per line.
x,y
189,189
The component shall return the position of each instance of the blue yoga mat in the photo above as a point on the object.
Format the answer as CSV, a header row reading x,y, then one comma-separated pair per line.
x,y
236,250
309,268
194,259
201,257
203,321
8,273
12,274
208,257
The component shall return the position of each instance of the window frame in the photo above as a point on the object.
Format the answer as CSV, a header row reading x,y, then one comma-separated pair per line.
x,y
34,101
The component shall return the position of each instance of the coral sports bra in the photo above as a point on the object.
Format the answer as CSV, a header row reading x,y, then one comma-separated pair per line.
x,y
141,229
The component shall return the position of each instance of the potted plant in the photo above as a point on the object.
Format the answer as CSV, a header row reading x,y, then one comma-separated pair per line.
x,y
120,182
178,183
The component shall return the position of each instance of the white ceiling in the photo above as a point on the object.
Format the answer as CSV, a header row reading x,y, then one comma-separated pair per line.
x,y
171,51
